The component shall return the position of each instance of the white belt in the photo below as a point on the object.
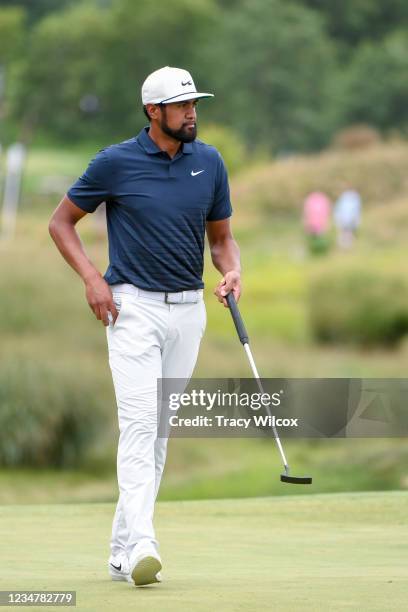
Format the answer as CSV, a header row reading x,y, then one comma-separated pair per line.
x,y
170,297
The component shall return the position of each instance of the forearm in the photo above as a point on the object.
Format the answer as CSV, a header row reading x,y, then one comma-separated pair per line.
x,y
225,256
71,248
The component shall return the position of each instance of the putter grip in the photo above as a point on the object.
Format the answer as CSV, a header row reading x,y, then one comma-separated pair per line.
x,y
236,317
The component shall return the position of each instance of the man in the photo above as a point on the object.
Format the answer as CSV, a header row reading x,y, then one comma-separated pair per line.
x,y
347,217
162,189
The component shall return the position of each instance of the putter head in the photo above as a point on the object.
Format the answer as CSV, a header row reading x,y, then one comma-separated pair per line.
x,y
305,480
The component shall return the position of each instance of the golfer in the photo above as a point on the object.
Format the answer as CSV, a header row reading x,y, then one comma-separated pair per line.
x,y
163,189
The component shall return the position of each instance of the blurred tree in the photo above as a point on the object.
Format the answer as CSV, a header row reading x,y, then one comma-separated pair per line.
x,y
66,55
85,65
36,9
12,28
228,143
12,25
376,83
353,21
273,67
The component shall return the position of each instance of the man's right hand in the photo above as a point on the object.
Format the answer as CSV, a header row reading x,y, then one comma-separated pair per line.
x,y
100,299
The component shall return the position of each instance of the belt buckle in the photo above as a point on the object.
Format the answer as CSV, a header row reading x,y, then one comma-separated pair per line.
x,y
166,297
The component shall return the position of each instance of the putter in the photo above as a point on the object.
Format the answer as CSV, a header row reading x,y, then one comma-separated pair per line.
x,y
243,336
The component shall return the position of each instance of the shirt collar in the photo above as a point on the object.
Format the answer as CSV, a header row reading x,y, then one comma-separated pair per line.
x,y
151,147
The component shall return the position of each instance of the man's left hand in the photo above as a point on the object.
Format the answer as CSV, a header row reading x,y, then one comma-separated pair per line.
x,y
230,282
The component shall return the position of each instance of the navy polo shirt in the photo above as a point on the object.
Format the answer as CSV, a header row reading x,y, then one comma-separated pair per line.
x,y
156,208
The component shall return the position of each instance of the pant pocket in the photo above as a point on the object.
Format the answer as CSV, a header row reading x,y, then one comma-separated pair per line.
x,y
118,301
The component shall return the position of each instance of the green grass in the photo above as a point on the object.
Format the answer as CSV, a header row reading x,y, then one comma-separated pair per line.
x,y
44,172
305,554
211,468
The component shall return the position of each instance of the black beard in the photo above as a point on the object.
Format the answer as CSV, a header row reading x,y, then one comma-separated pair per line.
x,y
182,135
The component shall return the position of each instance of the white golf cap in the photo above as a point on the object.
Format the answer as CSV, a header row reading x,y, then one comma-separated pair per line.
x,y
168,85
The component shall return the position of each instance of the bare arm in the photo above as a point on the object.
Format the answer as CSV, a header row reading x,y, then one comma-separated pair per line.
x,y
63,232
225,257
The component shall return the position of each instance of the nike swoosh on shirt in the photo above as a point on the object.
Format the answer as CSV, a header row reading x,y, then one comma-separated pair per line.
x,y
195,173
118,568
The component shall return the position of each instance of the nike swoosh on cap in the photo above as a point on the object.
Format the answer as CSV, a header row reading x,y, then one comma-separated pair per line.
x,y
195,173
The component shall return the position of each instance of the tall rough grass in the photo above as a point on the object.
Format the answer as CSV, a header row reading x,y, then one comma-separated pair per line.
x,y
359,305
49,414
378,173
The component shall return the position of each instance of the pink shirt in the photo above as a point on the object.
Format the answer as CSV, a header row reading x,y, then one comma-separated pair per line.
x,y
316,213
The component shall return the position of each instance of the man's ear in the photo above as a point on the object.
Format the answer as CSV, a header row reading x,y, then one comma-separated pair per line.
x,y
153,111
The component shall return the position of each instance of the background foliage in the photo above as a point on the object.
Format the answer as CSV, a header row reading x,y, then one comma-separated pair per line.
x,y
287,75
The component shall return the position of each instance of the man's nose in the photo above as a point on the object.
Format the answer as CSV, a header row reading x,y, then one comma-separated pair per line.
x,y
191,112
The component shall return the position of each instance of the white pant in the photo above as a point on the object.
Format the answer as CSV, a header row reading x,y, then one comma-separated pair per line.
x,y
150,339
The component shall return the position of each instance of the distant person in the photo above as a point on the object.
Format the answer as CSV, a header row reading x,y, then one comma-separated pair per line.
x,y
316,221
347,217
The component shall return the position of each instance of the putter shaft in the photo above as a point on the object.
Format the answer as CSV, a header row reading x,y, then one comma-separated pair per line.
x,y
243,336
261,389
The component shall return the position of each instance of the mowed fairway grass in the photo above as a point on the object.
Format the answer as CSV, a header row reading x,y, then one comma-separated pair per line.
x,y
315,552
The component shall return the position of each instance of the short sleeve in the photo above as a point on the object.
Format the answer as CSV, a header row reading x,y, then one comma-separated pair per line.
x,y
93,187
221,207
